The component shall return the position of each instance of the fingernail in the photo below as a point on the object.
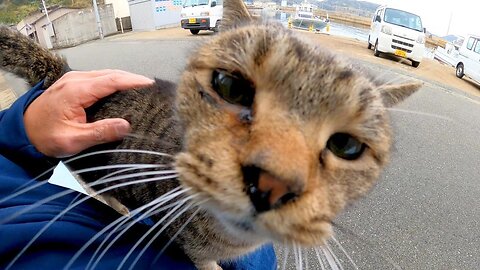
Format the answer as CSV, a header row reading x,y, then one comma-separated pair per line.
x,y
122,128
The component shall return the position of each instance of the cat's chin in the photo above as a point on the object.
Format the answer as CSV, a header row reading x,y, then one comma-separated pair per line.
x,y
257,230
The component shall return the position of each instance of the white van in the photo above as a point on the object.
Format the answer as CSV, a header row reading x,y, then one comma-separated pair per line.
x,y
469,58
397,32
199,15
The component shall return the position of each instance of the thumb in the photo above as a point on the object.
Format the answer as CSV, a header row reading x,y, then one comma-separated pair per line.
x,y
102,131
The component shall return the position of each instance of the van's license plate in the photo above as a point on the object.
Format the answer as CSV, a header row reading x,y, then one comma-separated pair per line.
x,y
192,20
400,53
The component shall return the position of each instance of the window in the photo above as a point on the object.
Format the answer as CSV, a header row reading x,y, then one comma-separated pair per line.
x,y
377,14
470,43
477,47
403,18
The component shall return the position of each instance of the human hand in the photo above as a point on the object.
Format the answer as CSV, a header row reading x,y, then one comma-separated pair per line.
x,y
56,122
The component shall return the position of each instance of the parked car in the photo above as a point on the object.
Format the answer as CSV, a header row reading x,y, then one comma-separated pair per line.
x,y
469,58
397,32
199,15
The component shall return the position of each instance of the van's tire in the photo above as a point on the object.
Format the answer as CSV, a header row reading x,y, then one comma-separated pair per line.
x,y
460,72
369,45
194,31
376,52
415,64
217,26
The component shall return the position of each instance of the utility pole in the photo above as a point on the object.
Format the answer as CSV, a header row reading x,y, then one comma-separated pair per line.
x,y
97,17
449,23
49,23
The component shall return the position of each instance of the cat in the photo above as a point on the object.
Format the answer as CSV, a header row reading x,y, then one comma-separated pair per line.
x,y
271,135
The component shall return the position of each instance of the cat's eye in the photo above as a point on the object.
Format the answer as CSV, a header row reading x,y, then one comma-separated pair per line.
x,y
345,146
233,88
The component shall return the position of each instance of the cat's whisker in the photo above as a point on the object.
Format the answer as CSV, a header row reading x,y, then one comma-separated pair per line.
x,y
121,166
179,230
66,192
421,113
158,223
331,262
306,262
344,251
335,258
46,226
160,201
44,182
155,210
300,259
319,257
367,244
286,252
101,152
157,203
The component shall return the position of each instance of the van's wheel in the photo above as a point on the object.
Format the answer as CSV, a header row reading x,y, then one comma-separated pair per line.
x,y
194,31
460,71
217,26
369,45
415,64
376,52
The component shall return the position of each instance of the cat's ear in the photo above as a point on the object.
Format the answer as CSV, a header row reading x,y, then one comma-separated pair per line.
x,y
235,12
393,94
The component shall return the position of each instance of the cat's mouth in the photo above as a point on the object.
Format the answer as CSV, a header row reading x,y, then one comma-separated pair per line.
x,y
265,190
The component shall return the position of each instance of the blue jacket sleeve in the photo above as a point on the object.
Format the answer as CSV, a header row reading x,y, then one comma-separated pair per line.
x,y
14,143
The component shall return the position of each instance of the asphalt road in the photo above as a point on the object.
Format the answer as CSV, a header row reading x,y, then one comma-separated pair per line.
x,y
425,211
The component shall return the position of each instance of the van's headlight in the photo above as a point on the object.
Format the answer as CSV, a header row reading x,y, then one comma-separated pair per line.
x,y
386,29
421,39
205,13
183,15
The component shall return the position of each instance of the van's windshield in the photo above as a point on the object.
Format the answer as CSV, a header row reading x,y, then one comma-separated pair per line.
x,y
192,3
403,18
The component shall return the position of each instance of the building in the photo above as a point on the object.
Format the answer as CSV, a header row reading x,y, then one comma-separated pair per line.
x,y
36,25
154,14
68,27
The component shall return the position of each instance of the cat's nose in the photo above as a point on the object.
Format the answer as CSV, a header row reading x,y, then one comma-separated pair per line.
x,y
267,191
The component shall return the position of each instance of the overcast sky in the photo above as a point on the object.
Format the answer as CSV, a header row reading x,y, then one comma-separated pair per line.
x,y
436,14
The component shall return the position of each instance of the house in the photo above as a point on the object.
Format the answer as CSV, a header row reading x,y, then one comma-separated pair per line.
x,y
37,27
68,26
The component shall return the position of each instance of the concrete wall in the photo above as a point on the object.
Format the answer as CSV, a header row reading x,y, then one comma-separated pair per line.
x,y
141,15
154,14
77,27
120,8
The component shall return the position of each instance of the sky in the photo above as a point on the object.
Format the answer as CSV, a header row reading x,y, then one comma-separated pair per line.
x,y
435,14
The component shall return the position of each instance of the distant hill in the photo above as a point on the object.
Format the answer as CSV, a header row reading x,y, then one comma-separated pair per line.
x,y
13,11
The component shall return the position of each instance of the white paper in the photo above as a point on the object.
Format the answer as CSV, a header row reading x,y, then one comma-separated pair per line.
x,y
63,177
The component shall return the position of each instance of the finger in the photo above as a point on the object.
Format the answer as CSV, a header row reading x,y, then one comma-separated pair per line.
x,y
82,75
79,75
102,131
92,90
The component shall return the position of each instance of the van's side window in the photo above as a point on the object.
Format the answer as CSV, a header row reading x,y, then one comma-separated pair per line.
x,y
477,47
219,2
470,43
377,14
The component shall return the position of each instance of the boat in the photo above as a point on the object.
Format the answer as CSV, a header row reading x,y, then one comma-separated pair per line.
x,y
304,19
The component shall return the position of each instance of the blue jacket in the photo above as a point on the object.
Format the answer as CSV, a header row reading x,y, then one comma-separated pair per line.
x,y
20,163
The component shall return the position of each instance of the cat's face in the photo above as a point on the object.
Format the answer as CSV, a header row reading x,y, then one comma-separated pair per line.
x,y
280,135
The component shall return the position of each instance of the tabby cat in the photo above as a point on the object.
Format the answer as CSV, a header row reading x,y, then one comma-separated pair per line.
x,y
271,134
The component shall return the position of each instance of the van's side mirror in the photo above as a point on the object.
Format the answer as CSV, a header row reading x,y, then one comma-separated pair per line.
x,y
378,19
214,3
424,30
